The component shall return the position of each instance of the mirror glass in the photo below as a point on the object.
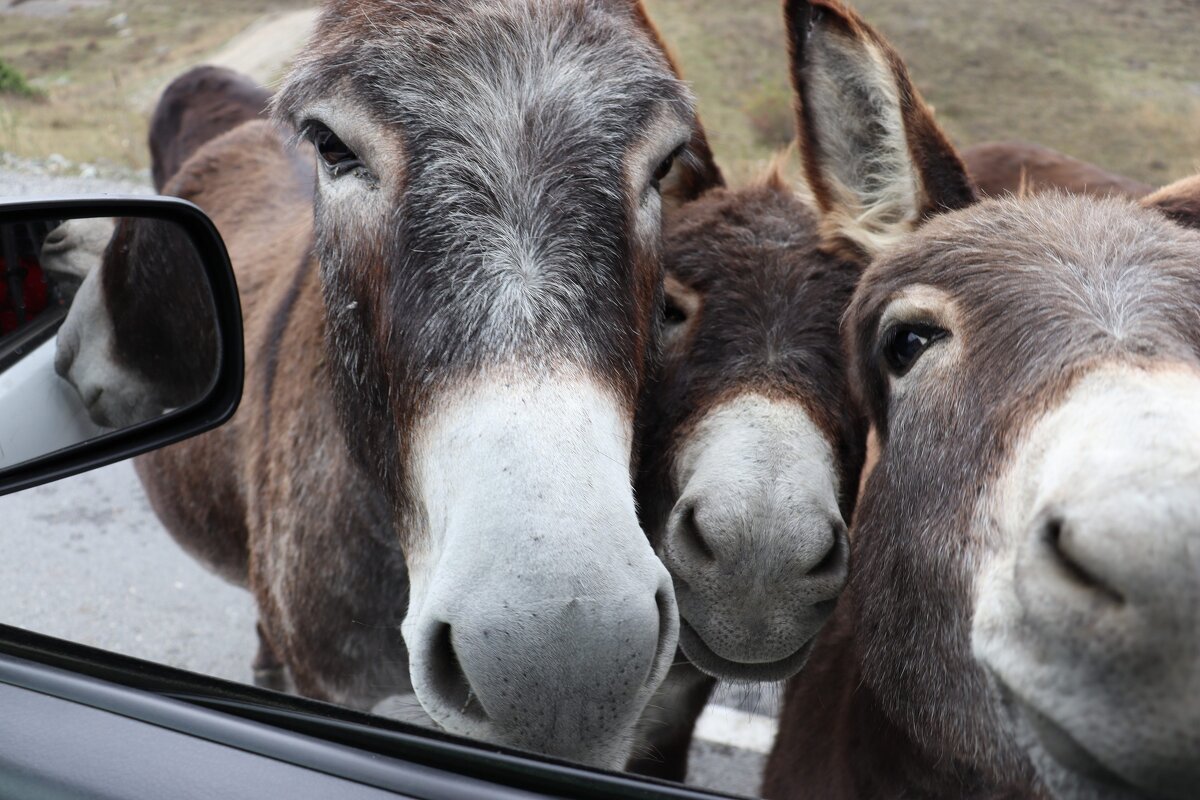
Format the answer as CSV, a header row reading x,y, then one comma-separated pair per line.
x,y
105,323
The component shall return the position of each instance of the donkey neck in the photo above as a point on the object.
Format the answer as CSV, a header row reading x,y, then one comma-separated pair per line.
x,y
835,738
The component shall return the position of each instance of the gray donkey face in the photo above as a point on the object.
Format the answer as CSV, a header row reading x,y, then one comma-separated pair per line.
x,y
491,180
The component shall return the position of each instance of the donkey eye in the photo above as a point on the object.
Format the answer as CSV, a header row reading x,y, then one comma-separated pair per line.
x,y
337,157
664,168
905,343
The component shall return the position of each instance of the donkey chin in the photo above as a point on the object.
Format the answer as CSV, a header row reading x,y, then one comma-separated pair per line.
x,y
1088,615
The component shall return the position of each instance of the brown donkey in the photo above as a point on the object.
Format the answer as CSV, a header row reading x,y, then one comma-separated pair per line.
x,y
1022,618
1016,167
444,353
751,447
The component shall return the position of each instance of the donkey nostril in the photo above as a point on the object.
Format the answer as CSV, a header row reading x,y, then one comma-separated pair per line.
x,y
447,675
1053,532
55,237
835,557
690,536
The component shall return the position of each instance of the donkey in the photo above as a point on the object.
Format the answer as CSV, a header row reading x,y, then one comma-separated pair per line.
x,y
751,446
1022,617
139,337
197,106
445,348
1018,167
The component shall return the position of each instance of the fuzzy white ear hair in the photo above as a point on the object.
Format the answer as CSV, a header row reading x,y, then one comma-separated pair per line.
x,y
876,161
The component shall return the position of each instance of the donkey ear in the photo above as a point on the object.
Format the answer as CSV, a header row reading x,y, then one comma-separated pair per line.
x,y
1180,201
875,159
695,171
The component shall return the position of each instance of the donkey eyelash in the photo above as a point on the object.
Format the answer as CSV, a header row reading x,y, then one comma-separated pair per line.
x,y
335,155
665,166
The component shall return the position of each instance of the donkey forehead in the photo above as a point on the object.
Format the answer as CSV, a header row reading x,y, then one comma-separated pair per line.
x,y
772,300
1054,269
761,239
496,75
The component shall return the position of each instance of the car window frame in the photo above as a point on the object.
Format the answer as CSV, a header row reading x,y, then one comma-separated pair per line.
x,y
297,729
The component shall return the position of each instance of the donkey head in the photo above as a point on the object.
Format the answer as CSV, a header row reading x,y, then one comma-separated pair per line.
x,y
752,449
487,225
1027,551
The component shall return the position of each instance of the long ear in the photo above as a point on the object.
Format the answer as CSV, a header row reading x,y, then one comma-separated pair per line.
x,y
695,171
1180,201
876,161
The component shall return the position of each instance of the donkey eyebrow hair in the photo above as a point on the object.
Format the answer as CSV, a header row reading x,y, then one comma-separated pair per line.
x,y
301,130
681,107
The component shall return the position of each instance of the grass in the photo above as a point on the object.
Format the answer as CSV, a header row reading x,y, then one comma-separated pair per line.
x,y
13,83
93,74
1109,81
1113,82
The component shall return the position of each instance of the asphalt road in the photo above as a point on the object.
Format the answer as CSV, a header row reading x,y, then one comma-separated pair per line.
x,y
85,559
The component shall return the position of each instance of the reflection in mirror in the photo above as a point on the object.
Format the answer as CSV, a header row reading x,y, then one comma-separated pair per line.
x,y
104,323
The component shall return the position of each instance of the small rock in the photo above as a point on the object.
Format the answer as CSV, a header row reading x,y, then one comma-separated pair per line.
x,y
56,162
119,21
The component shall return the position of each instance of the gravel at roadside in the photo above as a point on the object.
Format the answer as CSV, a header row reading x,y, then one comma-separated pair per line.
x,y
47,177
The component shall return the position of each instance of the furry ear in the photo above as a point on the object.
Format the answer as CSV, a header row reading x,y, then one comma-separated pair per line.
x,y
875,159
695,171
1180,201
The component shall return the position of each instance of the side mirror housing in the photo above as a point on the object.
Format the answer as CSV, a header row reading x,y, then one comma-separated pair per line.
x,y
120,332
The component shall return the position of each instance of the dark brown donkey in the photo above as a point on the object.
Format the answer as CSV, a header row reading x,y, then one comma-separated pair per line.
x,y
750,445
444,353
1022,619
197,106
1017,167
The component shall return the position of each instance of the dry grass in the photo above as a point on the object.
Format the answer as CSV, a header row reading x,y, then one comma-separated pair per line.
x,y
92,74
1113,82
1107,80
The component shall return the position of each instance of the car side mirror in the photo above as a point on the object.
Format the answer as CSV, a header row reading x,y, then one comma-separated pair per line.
x,y
120,332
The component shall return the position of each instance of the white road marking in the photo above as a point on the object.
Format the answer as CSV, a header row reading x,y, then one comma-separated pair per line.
x,y
734,728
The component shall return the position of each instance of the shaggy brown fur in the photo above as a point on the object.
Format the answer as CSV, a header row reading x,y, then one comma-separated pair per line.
x,y
1180,201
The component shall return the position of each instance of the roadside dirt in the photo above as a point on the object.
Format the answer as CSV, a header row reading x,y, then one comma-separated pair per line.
x,y
263,50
